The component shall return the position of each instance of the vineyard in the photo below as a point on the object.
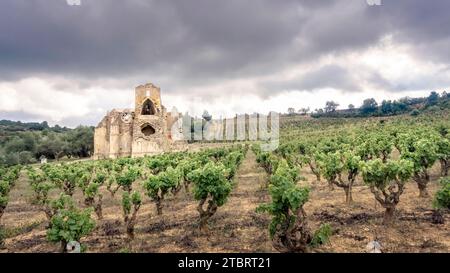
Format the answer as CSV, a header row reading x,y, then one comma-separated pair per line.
x,y
332,185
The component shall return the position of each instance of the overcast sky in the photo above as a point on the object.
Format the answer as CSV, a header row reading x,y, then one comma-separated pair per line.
x,y
70,64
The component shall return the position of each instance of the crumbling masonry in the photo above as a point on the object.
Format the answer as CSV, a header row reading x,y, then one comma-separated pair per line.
x,y
144,130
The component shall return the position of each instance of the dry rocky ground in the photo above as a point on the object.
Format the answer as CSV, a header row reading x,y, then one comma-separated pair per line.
x,y
236,227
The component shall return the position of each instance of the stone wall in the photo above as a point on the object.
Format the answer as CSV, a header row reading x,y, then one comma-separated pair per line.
x,y
149,131
142,131
113,135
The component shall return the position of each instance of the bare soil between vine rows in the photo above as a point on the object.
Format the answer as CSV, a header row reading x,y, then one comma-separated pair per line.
x,y
236,227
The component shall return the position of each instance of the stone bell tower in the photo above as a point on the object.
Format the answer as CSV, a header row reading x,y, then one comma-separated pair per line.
x,y
149,128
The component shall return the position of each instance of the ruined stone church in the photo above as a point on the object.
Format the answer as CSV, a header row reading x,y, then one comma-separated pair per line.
x,y
144,130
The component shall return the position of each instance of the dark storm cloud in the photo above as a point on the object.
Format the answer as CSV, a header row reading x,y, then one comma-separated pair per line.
x,y
190,43
124,38
331,76
328,76
431,81
421,24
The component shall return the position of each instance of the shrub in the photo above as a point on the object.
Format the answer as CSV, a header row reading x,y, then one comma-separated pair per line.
x,y
90,184
423,152
289,228
69,223
386,182
41,188
211,187
414,113
322,235
442,197
441,201
159,185
341,169
131,204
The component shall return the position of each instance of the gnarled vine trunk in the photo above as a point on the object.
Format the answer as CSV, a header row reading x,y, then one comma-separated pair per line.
x,y
389,200
98,208
159,198
130,222
2,210
348,194
206,214
294,237
49,214
2,236
330,186
90,202
346,185
384,156
423,192
422,179
111,190
158,204
437,217
68,188
315,171
176,190
186,187
445,166
389,215
63,246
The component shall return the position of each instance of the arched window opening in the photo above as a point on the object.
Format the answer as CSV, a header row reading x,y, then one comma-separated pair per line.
x,y
148,108
148,130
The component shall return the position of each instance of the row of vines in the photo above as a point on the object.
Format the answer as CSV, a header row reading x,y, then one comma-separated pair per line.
x,y
384,156
381,155
207,176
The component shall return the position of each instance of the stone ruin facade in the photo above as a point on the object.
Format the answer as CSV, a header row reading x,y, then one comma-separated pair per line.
x,y
144,130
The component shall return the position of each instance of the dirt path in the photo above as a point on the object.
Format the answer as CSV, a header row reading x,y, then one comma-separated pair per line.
x,y
248,227
248,191
235,227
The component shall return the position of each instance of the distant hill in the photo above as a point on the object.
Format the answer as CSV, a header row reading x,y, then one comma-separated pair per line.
x,y
371,108
15,126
